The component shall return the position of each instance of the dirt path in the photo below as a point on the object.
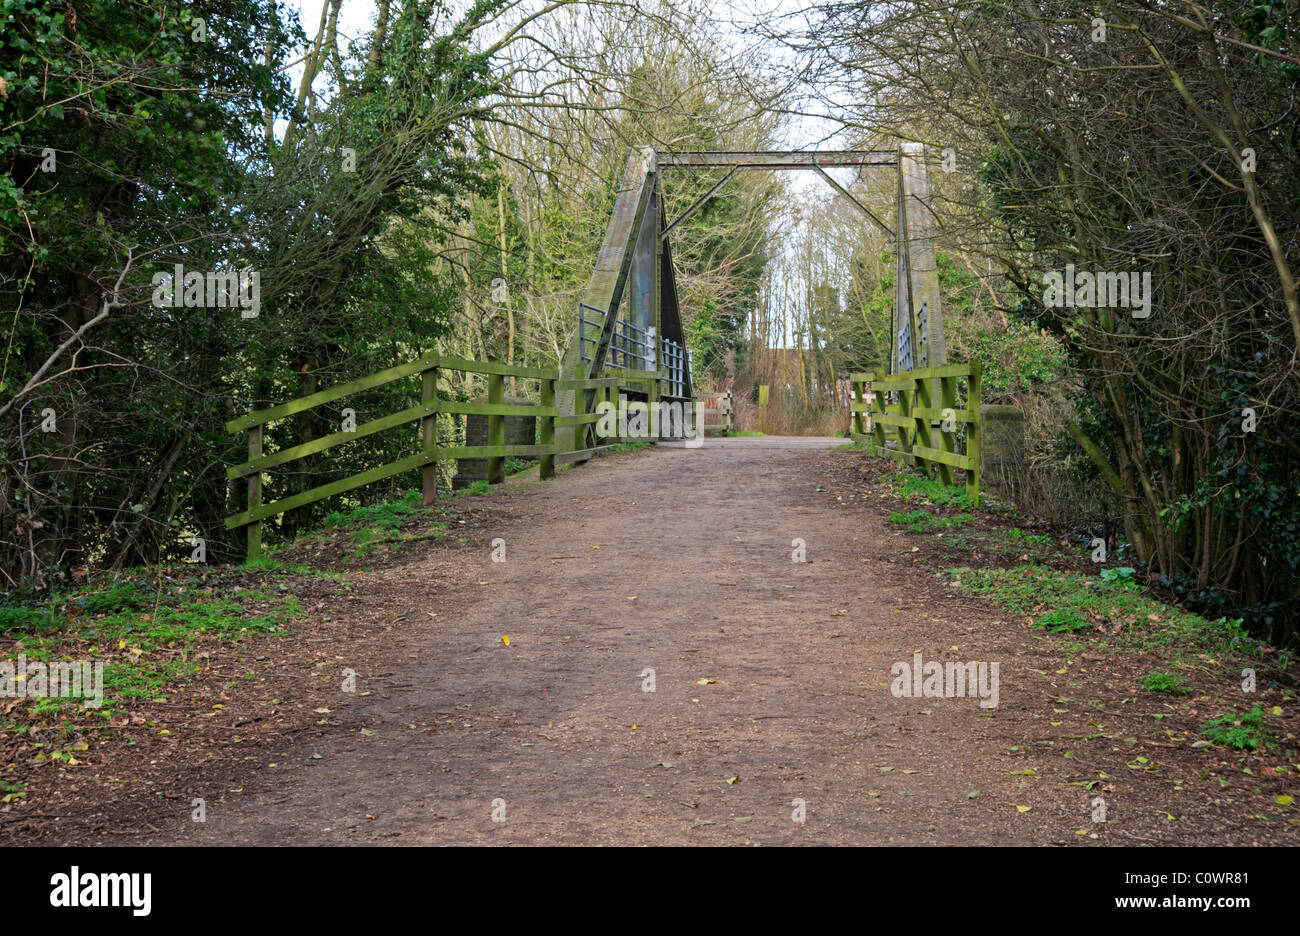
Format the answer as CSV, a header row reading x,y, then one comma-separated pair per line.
x,y
678,561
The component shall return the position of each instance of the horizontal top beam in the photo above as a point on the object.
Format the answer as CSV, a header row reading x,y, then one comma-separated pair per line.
x,y
776,159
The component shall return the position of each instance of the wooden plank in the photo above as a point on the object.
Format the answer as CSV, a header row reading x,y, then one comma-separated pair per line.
x,y
495,368
940,457
260,417
566,458
889,419
895,454
935,414
494,409
885,384
326,442
635,376
494,451
256,514
944,370
594,383
581,419
882,381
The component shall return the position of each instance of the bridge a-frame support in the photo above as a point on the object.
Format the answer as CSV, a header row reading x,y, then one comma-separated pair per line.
x,y
630,301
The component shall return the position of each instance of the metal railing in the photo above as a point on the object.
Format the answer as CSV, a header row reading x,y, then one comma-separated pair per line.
x,y
631,347
673,367
583,321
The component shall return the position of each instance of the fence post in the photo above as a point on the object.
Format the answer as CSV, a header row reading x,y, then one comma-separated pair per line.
x,y
652,404
255,492
496,428
905,400
878,409
731,409
947,440
859,399
924,425
429,432
547,432
973,435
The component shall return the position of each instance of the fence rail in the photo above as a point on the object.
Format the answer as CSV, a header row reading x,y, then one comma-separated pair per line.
x,y
917,421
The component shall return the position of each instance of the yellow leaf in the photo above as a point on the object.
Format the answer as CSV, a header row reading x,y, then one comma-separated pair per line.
x,y
1284,800
705,682
505,639
1023,809
732,781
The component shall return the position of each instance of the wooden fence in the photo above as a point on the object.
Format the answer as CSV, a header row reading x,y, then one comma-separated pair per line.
x,y
597,390
717,404
917,420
